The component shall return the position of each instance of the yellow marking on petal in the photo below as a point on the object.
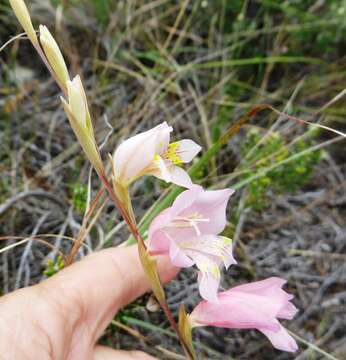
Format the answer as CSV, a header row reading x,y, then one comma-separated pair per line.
x,y
207,267
172,154
226,240
156,157
215,271
203,266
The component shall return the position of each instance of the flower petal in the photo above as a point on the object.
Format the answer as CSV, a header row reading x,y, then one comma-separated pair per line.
x,y
186,199
277,300
134,155
163,172
281,339
180,177
182,201
209,277
248,309
216,248
163,137
208,286
288,311
158,243
178,257
211,205
182,151
241,311
265,287
160,221
165,218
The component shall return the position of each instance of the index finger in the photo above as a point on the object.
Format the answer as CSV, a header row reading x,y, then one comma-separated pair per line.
x,y
95,288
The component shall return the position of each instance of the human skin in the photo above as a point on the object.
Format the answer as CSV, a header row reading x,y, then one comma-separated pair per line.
x,y
63,317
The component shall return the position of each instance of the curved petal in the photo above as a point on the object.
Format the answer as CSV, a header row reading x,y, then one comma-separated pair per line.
x,y
281,339
248,309
163,137
162,171
178,257
217,249
180,177
158,243
209,277
288,311
186,199
241,311
211,205
208,286
160,221
266,287
137,153
134,155
272,294
165,220
186,150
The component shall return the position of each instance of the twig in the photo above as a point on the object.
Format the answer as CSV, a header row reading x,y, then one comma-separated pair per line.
x,y
312,346
139,336
34,193
27,250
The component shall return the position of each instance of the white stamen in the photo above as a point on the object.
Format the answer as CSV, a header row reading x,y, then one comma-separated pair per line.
x,y
191,220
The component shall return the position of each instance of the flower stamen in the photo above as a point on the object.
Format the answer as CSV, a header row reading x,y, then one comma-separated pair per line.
x,y
190,220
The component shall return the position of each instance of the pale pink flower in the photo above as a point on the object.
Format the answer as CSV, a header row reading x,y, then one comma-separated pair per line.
x,y
150,153
256,305
188,232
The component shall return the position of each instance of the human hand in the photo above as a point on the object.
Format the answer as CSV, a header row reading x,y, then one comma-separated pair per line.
x,y
64,316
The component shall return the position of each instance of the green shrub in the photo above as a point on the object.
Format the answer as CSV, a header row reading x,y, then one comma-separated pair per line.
x,y
288,177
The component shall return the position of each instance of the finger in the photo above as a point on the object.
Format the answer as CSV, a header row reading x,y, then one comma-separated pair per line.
x,y
94,289
104,353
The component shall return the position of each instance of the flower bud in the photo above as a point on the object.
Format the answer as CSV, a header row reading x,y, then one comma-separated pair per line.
x,y
77,100
53,54
78,113
23,16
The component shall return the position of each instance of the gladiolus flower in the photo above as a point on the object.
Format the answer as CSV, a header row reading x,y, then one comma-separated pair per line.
x,y
23,16
150,153
78,113
257,305
188,232
53,54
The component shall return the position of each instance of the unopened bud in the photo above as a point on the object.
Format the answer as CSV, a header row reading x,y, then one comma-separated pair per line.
x,y
53,54
78,113
23,16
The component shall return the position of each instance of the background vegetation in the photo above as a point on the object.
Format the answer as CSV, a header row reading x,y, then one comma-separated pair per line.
x,y
199,65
